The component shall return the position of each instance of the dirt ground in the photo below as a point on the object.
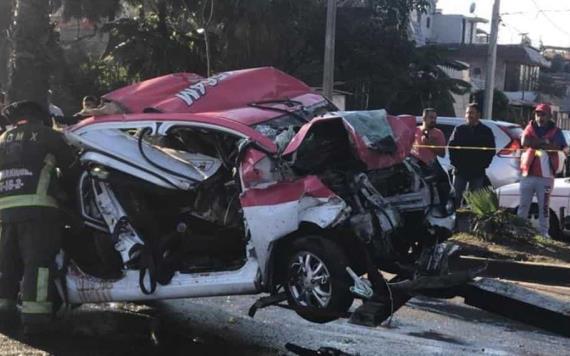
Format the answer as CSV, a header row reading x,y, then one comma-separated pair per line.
x,y
535,250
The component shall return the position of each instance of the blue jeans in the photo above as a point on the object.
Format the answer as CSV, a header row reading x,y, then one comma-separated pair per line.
x,y
460,183
542,187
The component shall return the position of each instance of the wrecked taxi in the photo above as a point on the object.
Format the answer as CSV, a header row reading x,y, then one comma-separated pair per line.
x,y
246,182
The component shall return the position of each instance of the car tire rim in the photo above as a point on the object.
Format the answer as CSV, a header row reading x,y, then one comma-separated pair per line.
x,y
310,281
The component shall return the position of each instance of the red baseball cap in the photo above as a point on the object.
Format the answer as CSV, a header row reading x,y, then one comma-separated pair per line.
x,y
543,108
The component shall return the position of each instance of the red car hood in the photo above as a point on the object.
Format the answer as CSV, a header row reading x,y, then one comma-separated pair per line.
x,y
403,132
226,94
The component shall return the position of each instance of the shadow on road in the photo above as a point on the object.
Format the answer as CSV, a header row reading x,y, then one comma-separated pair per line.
x,y
119,329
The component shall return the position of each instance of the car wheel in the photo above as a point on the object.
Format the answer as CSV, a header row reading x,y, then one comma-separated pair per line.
x,y
318,285
554,225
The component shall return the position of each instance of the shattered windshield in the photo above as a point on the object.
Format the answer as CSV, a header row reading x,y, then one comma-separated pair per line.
x,y
373,127
281,129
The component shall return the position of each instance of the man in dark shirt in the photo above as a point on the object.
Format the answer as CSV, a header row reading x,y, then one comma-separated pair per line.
x,y
469,162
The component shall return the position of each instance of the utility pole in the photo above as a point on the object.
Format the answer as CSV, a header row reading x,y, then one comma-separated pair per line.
x,y
491,62
328,70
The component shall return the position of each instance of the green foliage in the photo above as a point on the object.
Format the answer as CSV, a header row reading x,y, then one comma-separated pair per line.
x,y
153,45
88,76
429,85
89,9
483,202
371,62
101,76
547,85
494,224
556,64
281,33
373,54
500,103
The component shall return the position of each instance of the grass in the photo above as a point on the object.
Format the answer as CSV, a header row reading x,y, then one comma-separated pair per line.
x,y
483,203
491,223
536,249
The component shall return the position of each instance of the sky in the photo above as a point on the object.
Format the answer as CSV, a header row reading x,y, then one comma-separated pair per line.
x,y
542,20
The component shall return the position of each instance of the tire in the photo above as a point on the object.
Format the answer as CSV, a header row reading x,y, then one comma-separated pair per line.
x,y
323,300
554,225
554,229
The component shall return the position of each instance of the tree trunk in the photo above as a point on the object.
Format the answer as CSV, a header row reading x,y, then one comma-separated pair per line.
x,y
30,64
5,21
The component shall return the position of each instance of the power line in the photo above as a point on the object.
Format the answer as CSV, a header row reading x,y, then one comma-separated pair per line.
x,y
519,32
540,11
531,12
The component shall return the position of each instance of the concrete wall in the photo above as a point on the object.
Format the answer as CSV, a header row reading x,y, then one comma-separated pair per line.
x,y
453,29
461,101
478,68
421,24
447,28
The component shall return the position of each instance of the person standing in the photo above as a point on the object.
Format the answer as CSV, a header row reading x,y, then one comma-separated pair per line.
x,y
428,145
30,222
468,161
541,140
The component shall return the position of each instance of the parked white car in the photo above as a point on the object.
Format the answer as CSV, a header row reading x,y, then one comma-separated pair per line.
x,y
509,197
504,168
566,169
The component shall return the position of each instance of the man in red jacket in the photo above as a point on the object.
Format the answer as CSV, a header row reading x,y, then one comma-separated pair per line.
x,y
539,163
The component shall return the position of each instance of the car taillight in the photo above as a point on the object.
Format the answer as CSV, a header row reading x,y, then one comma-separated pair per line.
x,y
512,149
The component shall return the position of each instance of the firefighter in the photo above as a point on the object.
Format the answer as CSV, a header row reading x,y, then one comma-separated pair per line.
x,y
34,159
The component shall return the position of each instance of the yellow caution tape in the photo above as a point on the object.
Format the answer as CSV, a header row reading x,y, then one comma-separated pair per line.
x,y
481,148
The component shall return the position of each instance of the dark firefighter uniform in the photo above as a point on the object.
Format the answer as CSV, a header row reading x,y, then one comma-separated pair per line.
x,y
30,221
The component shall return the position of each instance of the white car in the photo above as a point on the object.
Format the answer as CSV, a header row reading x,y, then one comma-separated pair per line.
x,y
509,197
504,168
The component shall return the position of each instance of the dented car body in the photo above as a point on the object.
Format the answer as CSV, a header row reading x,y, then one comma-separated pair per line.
x,y
247,182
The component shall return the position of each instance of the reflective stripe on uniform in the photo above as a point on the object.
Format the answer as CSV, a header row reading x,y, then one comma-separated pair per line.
x,y
7,304
45,175
17,201
41,198
42,284
36,307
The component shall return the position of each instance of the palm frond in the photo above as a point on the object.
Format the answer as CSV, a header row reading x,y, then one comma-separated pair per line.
x,y
483,203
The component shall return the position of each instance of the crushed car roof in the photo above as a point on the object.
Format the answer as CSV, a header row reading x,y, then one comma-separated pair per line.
x,y
227,94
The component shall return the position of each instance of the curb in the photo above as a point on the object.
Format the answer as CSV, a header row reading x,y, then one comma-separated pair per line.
x,y
550,274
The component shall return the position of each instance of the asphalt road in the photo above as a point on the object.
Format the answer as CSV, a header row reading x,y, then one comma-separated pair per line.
x,y
423,326
220,326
